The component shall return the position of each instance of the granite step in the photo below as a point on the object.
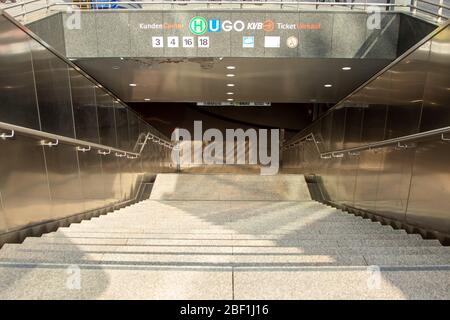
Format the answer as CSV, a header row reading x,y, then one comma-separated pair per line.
x,y
236,242
241,250
304,236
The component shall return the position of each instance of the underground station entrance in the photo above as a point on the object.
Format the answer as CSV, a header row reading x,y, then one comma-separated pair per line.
x,y
224,150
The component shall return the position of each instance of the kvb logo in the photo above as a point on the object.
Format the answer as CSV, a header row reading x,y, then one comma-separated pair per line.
x,y
198,25
240,147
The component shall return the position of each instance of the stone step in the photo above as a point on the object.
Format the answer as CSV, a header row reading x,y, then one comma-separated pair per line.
x,y
226,242
219,230
238,223
102,282
305,236
267,260
237,250
408,260
245,229
146,217
63,232
280,187
223,216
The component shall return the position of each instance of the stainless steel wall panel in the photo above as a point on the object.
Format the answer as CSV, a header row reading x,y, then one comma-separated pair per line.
x,y
326,131
64,181
347,180
106,122
332,128
133,125
39,183
338,129
367,179
16,78
331,169
84,107
429,204
407,182
393,182
349,164
123,134
377,92
126,177
91,179
353,125
436,106
406,92
3,225
374,123
137,176
23,182
53,92
111,179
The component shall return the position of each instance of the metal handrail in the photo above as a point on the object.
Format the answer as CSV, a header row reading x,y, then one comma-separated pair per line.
x,y
19,4
195,2
81,145
339,153
316,4
439,5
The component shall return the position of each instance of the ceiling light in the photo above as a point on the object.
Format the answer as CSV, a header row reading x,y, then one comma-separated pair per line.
x,y
230,75
116,67
146,99
230,93
230,84
121,58
327,85
132,84
347,68
231,67
230,99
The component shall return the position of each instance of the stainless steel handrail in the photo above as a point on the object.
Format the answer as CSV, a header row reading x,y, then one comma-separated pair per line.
x,y
413,6
439,5
19,4
370,146
81,145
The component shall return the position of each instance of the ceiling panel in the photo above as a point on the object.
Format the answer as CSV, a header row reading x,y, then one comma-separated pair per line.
x,y
256,79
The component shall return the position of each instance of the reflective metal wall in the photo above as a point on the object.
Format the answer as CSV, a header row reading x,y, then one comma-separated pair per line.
x,y
39,184
409,183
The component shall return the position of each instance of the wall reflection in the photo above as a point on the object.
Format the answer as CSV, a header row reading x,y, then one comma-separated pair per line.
x,y
409,183
39,184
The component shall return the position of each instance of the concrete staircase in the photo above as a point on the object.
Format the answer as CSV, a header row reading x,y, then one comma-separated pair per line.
x,y
231,244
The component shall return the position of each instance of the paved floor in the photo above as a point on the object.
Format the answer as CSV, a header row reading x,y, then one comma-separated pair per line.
x,y
226,237
160,249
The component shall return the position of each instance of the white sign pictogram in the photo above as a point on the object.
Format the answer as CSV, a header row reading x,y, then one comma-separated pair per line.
x,y
271,42
292,42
